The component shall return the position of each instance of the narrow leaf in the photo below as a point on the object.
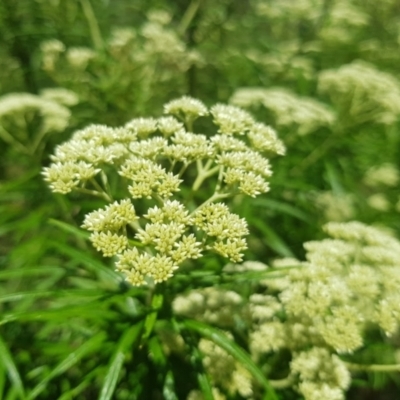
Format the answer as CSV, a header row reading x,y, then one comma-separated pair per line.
x,y
69,228
12,371
156,304
124,346
219,338
272,239
73,358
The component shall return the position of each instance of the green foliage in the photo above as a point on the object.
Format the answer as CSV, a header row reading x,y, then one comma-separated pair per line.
x,y
322,73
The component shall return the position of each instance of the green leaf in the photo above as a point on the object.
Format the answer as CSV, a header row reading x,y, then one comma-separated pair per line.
x,y
12,371
62,314
87,260
156,351
2,379
333,178
85,382
30,271
69,228
75,294
92,345
117,360
169,387
219,338
272,239
156,304
282,207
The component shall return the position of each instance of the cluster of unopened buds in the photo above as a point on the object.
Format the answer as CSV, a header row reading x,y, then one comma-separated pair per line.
x,y
161,173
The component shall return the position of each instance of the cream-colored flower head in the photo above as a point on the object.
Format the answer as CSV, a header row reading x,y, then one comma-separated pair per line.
x,y
347,283
225,371
121,38
62,96
362,92
162,165
51,51
212,305
335,206
321,374
186,108
26,120
164,44
79,57
382,175
325,306
302,114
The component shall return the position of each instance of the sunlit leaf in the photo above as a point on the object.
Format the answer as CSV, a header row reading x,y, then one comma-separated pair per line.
x,y
90,346
9,366
125,346
219,338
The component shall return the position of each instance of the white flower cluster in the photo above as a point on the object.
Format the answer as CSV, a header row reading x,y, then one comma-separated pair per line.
x,y
290,9
225,371
164,43
26,119
212,305
285,62
385,175
343,23
62,96
79,57
349,283
335,206
362,92
51,51
20,107
151,159
322,375
305,115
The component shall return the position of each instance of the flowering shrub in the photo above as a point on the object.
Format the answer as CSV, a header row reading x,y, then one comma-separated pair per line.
x,y
170,262
152,158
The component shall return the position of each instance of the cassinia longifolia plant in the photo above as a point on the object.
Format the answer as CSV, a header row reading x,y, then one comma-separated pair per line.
x,y
319,310
166,190
157,161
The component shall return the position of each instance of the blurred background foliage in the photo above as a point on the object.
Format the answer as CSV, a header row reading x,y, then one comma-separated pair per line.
x,y
324,73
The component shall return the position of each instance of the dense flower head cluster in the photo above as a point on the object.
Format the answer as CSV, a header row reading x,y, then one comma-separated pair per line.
x,y
323,375
302,114
62,96
344,22
385,175
226,372
26,120
213,305
289,9
156,39
381,180
348,284
335,206
17,108
363,92
151,159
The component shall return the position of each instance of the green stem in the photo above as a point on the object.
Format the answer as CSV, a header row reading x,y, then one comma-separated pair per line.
x,y
373,367
203,173
282,383
315,154
95,193
100,190
214,197
151,318
187,18
221,340
7,137
92,22
38,139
